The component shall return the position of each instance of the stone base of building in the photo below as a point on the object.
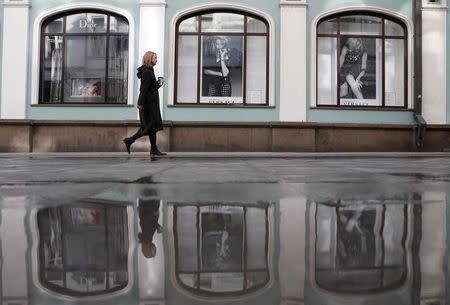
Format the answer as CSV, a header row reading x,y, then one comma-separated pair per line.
x,y
106,136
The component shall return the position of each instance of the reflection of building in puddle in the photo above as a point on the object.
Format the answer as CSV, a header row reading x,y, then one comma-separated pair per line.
x,y
360,248
221,250
83,248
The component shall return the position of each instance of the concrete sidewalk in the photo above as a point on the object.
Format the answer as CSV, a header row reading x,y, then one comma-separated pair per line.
x,y
232,155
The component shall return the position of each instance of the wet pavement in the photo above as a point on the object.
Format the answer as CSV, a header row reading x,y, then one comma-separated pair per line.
x,y
281,231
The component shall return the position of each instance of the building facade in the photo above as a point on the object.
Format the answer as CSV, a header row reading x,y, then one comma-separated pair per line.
x,y
274,75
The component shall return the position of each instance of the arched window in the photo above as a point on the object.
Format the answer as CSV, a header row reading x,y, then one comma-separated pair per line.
x,y
84,58
361,61
222,57
221,250
360,248
83,248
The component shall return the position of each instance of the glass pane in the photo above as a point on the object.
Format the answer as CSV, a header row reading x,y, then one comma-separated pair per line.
x,y
186,239
189,25
327,27
51,70
222,282
86,23
256,26
222,22
256,70
326,71
393,28
395,72
189,280
54,26
118,69
118,24
222,70
256,238
360,25
86,282
84,79
187,69
255,279
360,71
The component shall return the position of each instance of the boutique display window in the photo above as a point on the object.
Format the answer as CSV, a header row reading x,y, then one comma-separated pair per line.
x,y
222,57
361,61
84,59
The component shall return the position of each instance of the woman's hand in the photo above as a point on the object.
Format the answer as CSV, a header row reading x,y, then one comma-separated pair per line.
x,y
139,106
359,83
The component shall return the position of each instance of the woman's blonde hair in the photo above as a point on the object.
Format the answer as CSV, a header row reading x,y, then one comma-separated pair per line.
x,y
148,58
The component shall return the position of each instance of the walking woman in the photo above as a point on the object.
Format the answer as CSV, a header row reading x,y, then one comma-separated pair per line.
x,y
148,104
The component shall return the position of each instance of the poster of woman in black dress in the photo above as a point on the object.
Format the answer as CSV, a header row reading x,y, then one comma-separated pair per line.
x,y
358,65
222,69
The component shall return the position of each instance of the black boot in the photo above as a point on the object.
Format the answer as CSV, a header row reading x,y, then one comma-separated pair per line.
x,y
155,152
128,142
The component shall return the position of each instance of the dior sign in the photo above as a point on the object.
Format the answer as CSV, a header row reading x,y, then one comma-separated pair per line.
x,y
84,23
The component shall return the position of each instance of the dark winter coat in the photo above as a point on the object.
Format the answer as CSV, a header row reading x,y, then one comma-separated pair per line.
x,y
149,114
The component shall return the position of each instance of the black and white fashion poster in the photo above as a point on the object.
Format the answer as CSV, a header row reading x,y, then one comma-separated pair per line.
x,y
360,71
221,77
222,239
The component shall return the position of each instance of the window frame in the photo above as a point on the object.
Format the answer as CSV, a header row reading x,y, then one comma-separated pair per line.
x,y
107,34
383,37
245,34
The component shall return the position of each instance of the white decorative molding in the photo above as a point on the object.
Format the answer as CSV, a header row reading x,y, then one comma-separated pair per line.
x,y
35,261
36,47
434,66
366,8
16,3
15,61
427,5
293,3
152,29
293,64
213,6
153,3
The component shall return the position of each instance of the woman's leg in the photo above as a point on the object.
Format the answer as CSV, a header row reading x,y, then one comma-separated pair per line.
x,y
344,90
354,86
152,138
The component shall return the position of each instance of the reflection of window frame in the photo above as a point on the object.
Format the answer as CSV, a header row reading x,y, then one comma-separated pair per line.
x,y
197,292
65,78
380,207
200,16
382,38
57,291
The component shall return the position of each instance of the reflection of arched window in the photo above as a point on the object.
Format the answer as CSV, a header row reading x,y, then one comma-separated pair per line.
x,y
361,61
360,248
84,58
222,57
221,250
83,248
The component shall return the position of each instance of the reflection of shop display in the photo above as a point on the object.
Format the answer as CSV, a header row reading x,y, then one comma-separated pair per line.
x,y
360,248
226,253
83,249
86,87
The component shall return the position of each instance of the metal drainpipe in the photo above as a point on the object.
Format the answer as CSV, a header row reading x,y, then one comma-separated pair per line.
x,y
421,124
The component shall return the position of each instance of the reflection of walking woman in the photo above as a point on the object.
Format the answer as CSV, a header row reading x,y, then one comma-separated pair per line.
x,y
353,65
216,68
148,104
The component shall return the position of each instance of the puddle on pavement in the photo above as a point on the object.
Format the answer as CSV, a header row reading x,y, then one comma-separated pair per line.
x,y
286,244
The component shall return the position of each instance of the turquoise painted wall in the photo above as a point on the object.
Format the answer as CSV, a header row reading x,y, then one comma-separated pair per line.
x,y
317,7
81,113
220,113
2,26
